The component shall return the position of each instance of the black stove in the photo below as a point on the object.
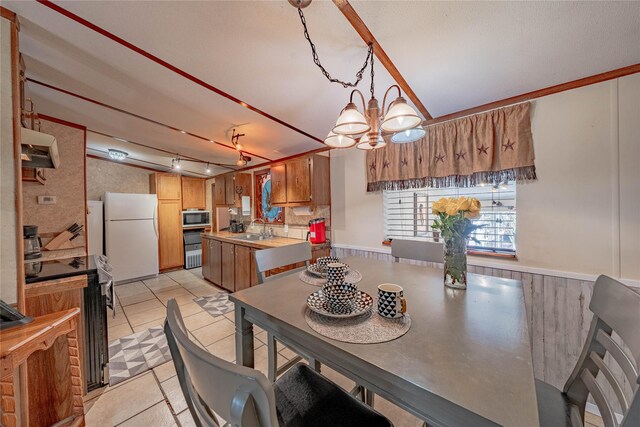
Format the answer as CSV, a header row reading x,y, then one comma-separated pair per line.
x,y
40,271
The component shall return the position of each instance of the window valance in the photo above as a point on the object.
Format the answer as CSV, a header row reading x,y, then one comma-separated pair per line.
x,y
490,147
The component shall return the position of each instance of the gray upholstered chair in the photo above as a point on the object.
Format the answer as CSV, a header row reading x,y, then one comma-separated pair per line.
x,y
245,398
616,309
269,259
419,250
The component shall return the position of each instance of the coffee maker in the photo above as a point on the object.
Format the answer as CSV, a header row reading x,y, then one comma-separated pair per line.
x,y
32,242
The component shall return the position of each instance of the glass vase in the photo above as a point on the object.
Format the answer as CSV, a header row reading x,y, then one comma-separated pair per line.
x,y
455,262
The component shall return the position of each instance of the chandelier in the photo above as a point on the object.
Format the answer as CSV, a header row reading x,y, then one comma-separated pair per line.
x,y
367,131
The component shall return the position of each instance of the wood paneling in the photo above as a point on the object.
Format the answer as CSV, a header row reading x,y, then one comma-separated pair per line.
x,y
298,181
193,195
558,315
278,184
170,245
228,266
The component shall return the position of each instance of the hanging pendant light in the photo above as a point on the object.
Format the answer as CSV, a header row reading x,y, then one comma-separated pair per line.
x,y
409,135
400,116
339,141
351,121
365,144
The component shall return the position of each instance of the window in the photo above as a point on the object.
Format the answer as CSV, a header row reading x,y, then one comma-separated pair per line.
x,y
407,215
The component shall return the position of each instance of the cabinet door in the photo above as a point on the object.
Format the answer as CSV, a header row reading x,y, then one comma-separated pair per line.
x,y
193,193
206,266
298,181
219,190
215,261
230,189
170,245
228,266
254,270
243,267
168,186
278,184
243,185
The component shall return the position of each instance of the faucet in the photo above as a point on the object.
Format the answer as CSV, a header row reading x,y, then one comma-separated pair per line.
x,y
263,233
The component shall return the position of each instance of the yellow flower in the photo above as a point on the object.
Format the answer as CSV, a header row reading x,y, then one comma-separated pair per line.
x,y
475,205
440,206
472,215
464,203
452,209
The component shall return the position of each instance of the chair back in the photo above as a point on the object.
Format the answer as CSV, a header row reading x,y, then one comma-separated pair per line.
x,y
419,250
268,259
242,396
616,308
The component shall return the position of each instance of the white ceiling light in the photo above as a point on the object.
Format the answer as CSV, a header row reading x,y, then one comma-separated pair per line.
x,y
117,154
365,144
409,135
339,141
175,163
208,170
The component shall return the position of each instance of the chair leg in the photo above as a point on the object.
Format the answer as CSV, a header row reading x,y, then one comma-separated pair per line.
x,y
314,364
369,397
272,357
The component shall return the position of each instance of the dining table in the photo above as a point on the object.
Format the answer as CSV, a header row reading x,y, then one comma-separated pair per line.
x,y
465,361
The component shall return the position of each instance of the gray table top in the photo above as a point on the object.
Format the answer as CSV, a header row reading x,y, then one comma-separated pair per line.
x,y
470,348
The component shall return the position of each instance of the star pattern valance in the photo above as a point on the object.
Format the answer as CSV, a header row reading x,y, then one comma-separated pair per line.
x,y
489,147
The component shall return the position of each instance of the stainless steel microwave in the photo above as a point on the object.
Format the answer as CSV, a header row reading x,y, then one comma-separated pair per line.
x,y
196,218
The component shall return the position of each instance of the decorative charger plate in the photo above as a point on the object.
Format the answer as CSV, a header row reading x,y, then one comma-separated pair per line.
x,y
315,270
318,303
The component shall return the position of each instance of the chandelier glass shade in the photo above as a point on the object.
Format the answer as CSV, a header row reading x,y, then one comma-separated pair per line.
x,y
339,141
365,144
409,135
400,117
351,122
117,154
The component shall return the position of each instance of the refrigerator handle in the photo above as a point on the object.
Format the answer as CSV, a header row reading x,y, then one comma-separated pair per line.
x,y
155,222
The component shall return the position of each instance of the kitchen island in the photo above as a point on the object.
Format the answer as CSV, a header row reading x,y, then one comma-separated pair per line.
x,y
229,262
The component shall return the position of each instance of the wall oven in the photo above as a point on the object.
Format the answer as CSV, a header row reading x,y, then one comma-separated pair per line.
x,y
196,219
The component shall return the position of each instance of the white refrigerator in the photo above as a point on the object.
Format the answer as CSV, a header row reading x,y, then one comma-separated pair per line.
x,y
131,235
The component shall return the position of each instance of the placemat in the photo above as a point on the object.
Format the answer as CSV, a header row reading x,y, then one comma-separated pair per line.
x,y
369,328
352,276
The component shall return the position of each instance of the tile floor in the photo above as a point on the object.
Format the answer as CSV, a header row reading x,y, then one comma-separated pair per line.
x,y
154,398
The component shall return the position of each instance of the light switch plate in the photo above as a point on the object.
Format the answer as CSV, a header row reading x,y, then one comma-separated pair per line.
x,y
46,200
286,228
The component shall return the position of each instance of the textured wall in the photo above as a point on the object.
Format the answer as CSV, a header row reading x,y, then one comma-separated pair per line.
x,y
105,176
67,183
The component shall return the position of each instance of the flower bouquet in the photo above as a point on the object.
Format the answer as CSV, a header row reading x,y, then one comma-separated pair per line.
x,y
454,221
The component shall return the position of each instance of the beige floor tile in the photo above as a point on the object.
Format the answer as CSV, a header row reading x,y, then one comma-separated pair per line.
x,y
119,331
186,420
142,306
125,401
158,415
337,378
199,320
185,299
135,299
128,289
145,326
193,282
262,336
164,296
165,371
136,319
159,284
593,419
172,390
231,316
118,320
214,332
224,348
189,308
286,351
399,417
205,290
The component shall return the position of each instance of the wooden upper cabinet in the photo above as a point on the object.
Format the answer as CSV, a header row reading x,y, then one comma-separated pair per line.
x,y
167,186
278,184
193,193
220,190
298,181
230,189
301,181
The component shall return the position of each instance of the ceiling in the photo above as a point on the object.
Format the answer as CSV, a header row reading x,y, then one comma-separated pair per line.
x,y
454,55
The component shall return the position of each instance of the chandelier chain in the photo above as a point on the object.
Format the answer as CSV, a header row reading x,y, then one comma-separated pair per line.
x,y
372,73
316,59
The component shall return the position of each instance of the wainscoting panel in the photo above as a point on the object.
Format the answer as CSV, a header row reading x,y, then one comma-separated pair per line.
x,y
559,319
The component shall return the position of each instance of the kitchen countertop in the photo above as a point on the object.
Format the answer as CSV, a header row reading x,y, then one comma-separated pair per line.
x,y
276,242
59,269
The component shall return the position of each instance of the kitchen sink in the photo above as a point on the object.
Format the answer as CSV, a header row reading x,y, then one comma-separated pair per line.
x,y
251,237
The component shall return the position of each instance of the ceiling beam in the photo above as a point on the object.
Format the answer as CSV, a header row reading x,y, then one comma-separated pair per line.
x,y
138,116
574,84
171,67
361,28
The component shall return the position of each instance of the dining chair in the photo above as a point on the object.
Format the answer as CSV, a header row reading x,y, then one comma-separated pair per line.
x,y
419,250
616,309
269,259
245,398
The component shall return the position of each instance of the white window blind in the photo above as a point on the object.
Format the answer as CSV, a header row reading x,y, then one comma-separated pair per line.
x,y
407,215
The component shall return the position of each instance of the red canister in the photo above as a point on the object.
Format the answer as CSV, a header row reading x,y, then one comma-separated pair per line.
x,y
317,231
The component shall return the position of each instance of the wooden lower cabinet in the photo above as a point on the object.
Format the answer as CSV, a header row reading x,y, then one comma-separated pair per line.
x,y
228,281
246,274
170,245
216,261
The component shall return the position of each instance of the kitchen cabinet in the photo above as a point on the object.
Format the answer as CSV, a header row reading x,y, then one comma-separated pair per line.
x,y
193,193
170,245
168,186
206,258
245,267
228,267
302,181
230,188
216,261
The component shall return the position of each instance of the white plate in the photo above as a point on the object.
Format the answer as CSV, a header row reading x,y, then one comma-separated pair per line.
x,y
318,303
